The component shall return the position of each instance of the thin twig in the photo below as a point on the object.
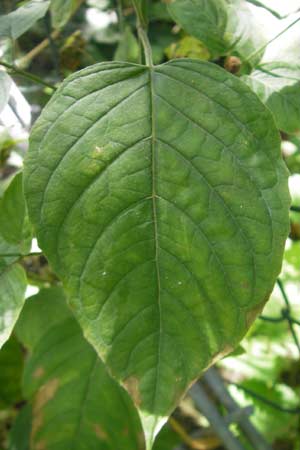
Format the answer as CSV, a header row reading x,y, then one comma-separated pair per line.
x,y
20,255
52,45
295,208
272,319
26,60
286,313
44,44
27,75
142,33
272,11
272,40
264,399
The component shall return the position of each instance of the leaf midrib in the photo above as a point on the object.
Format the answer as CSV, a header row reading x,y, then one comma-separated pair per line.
x,y
155,223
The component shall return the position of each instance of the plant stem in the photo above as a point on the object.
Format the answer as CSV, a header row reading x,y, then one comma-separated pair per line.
x,y
52,45
295,208
23,62
142,32
146,45
120,16
274,13
27,75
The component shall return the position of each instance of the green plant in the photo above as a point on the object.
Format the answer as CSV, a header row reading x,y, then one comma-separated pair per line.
x,y
159,196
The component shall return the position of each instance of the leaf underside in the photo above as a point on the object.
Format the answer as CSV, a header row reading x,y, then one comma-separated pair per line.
x,y
160,198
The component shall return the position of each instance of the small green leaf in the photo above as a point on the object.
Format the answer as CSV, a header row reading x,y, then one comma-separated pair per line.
x,y
65,378
5,83
62,11
40,313
167,439
15,229
206,20
160,214
226,26
12,290
16,23
187,47
278,85
158,12
14,224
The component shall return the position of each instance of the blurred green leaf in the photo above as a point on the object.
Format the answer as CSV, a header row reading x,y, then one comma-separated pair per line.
x,y
19,435
11,363
271,422
40,313
225,27
12,291
5,83
62,10
166,439
278,85
64,378
158,11
15,230
14,223
128,48
16,23
187,47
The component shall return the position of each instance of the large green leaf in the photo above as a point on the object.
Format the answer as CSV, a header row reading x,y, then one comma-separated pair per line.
x,y
12,290
278,86
75,402
16,23
224,26
160,197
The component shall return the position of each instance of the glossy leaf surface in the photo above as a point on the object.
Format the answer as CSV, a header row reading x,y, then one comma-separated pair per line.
x,y
160,197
